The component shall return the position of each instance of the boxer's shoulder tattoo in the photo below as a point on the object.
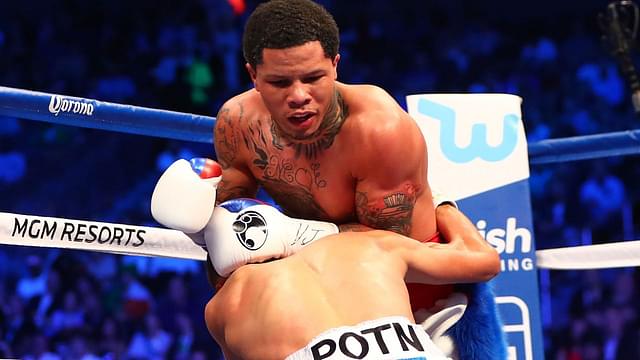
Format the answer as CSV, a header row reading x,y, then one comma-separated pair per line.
x,y
226,136
392,211
312,145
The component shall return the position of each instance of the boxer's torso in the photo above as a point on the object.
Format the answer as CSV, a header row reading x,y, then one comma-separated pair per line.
x,y
322,186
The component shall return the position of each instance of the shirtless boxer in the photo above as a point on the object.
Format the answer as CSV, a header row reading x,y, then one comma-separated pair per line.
x,y
243,231
314,304
323,149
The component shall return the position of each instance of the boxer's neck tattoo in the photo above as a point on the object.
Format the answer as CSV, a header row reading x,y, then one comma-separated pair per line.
x,y
256,142
289,184
312,145
391,212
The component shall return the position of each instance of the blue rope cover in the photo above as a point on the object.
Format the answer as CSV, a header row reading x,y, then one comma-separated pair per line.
x,y
88,113
93,114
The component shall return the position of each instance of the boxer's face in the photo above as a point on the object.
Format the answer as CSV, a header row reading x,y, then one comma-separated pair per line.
x,y
297,86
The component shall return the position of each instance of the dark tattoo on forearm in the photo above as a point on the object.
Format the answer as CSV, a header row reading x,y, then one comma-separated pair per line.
x,y
224,192
312,145
393,212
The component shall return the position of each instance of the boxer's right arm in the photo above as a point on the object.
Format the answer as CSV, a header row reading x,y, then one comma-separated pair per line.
x,y
237,180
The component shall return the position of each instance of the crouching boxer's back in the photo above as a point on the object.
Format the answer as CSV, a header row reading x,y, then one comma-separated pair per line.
x,y
341,297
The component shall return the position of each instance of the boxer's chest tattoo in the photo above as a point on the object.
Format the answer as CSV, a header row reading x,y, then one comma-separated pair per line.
x,y
391,212
289,182
295,200
293,180
276,168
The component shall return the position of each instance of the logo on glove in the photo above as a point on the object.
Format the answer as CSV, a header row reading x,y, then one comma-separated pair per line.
x,y
251,229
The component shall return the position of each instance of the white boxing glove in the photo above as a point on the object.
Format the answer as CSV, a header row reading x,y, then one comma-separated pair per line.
x,y
243,231
185,195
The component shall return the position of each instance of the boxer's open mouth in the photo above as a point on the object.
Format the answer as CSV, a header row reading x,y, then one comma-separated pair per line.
x,y
301,119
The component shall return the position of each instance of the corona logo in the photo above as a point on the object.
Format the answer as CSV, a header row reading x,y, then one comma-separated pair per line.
x,y
59,104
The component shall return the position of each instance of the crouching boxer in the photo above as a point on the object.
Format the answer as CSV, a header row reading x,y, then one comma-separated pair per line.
x,y
342,296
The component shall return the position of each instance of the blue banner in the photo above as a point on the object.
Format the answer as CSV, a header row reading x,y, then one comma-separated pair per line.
x,y
477,152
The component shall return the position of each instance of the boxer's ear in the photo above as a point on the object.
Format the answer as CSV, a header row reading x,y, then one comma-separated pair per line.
x,y
252,72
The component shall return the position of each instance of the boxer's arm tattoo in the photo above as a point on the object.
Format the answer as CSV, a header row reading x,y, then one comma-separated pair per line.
x,y
226,192
391,212
226,139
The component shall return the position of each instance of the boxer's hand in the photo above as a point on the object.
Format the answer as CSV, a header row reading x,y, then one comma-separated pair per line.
x,y
185,195
243,231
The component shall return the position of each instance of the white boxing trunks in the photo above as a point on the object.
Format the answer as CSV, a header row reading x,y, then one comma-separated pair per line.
x,y
389,338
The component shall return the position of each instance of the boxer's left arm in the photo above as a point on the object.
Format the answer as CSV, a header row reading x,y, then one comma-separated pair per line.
x,y
395,195
392,192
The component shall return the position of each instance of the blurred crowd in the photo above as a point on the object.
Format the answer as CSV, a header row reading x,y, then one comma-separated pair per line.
x,y
186,56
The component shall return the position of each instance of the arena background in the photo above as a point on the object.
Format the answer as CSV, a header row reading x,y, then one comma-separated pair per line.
x,y
186,56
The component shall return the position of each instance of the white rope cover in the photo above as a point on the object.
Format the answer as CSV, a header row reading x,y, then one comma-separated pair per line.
x,y
602,256
39,231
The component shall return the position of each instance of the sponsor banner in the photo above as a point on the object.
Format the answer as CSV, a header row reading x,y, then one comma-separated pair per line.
x,y
41,231
503,217
478,156
474,136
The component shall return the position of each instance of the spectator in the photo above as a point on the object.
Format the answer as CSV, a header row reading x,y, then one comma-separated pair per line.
x,y
152,342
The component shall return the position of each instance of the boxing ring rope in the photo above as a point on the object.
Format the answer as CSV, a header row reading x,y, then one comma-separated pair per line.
x,y
94,114
24,230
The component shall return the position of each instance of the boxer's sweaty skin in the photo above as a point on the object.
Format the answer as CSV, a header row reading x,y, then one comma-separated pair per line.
x,y
270,310
353,170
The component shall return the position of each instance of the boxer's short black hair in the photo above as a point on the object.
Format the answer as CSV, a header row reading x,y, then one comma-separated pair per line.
x,y
281,24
